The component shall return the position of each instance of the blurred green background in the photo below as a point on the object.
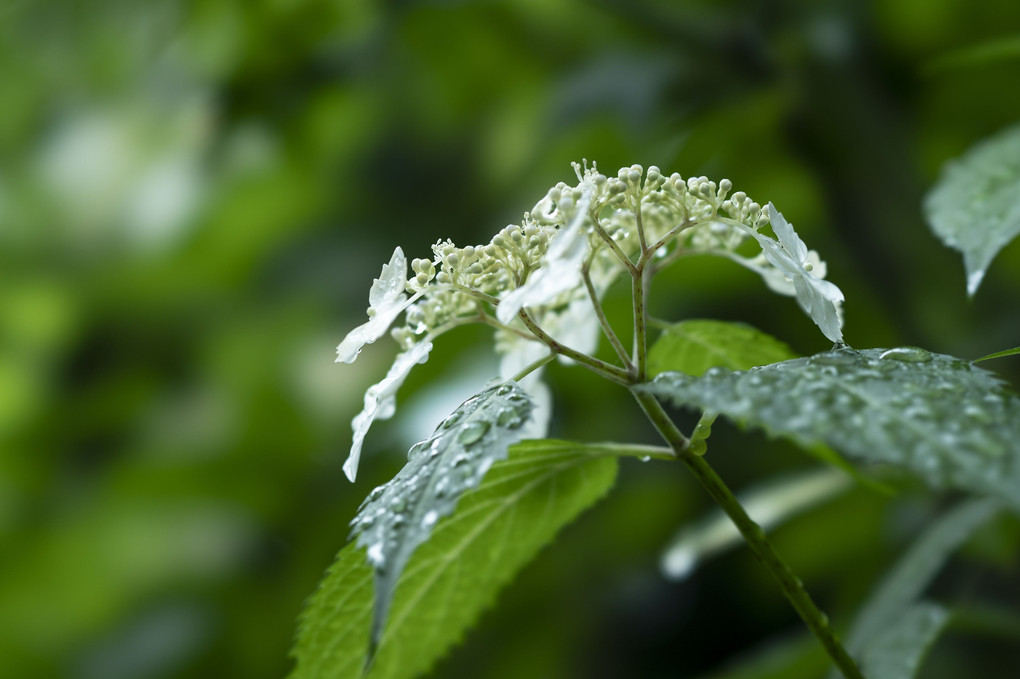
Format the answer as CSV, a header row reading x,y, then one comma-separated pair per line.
x,y
195,197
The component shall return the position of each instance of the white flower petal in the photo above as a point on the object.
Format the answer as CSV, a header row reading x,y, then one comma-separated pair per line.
x,y
789,239
389,287
381,402
775,280
788,275
560,270
517,354
541,414
820,300
818,267
386,300
575,326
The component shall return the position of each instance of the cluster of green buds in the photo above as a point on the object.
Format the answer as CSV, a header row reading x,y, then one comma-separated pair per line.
x,y
540,283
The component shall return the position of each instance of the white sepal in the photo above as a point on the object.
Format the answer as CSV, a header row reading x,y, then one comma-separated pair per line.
x,y
560,268
381,400
386,300
802,269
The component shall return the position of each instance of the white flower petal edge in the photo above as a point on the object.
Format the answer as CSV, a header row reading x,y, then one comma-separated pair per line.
x,y
517,354
560,270
575,326
796,272
381,401
386,300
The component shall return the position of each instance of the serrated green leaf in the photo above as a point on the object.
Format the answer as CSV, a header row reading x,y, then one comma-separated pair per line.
x,y
948,421
999,354
693,347
897,654
915,570
975,206
397,517
498,527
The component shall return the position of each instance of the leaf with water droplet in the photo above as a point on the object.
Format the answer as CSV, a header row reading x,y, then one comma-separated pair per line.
x,y
498,527
905,354
699,346
459,453
974,207
946,420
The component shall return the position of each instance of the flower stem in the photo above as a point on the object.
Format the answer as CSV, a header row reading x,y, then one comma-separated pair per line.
x,y
532,367
608,240
603,321
753,534
607,370
627,450
640,298
686,224
639,224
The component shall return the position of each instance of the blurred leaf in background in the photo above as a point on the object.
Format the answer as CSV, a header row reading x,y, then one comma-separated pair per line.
x,y
195,196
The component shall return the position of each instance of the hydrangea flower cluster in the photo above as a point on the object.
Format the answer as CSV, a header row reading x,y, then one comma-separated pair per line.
x,y
539,283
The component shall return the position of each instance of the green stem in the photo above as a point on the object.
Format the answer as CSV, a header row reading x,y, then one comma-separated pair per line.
x,y
791,585
607,329
532,367
607,370
628,450
640,298
623,258
494,322
686,224
640,225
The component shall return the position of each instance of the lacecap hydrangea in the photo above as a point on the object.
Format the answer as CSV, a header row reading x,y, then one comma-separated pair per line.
x,y
539,283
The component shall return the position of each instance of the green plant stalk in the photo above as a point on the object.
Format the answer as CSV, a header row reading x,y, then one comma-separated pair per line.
x,y
792,586
607,329
640,297
637,450
611,372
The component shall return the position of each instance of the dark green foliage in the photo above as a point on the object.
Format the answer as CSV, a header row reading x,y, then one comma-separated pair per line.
x,y
947,421
399,516
519,506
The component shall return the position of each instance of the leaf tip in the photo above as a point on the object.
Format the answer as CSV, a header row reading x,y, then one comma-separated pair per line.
x,y
974,279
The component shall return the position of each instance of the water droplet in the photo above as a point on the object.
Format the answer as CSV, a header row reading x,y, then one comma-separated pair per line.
x,y
472,432
430,518
977,413
645,458
509,418
702,431
376,556
451,420
907,355
699,446
834,359
504,390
